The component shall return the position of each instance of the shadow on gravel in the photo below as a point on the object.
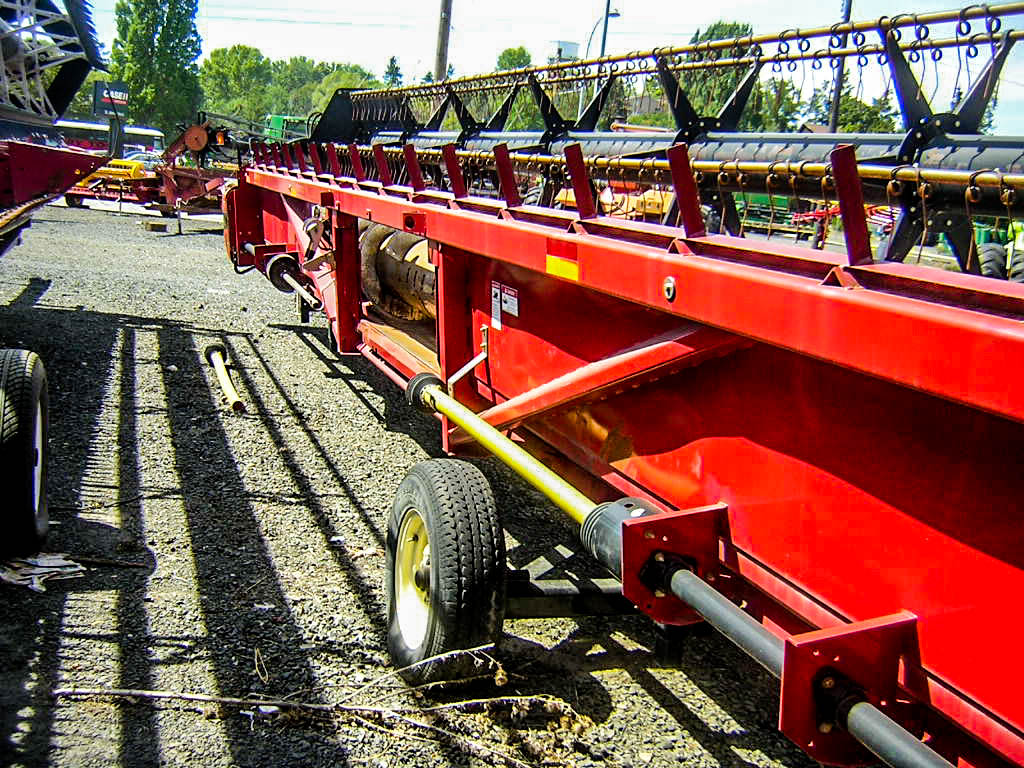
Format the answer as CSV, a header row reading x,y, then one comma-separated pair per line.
x,y
371,603
30,294
355,369
33,624
140,735
227,544
189,233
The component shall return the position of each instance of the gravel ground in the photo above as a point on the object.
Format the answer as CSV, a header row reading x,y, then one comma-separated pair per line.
x,y
260,538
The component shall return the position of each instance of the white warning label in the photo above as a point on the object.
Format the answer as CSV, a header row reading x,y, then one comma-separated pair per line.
x,y
510,300
496,305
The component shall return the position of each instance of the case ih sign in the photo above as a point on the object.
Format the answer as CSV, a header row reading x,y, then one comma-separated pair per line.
x,y
109,99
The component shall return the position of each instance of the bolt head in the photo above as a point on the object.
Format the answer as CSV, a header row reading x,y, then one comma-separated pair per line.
x,y
659,557
828,683
659,593
825,727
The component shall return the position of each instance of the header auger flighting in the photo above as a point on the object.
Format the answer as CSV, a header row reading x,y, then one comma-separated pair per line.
x,y
828,440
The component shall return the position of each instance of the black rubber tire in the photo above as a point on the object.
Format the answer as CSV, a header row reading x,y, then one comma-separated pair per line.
x,y
1016,269
22,389
992,259
74,201
466,592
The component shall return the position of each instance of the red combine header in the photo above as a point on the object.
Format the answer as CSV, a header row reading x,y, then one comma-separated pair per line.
x,y
814,451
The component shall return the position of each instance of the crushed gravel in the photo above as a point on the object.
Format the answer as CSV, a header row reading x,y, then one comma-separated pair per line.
x,y
250,549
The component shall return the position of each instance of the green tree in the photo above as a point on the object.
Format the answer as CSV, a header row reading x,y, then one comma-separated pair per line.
x,y
293,84
855,116
343,76
774,106
708,89
393,74
235,82
513,58
155,55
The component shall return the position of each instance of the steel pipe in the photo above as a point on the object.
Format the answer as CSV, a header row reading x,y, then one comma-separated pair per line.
x,y
750,636
884,737
308,297
888,741
216,356
568,499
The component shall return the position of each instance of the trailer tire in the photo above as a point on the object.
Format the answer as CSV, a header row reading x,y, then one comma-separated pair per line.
x,y
445,570
74,201
24,455
992,259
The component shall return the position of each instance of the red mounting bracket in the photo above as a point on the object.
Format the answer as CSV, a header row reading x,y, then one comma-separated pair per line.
x,y
691,534
866,653
415,221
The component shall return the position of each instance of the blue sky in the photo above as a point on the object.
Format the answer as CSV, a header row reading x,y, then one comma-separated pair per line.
x,y
368,34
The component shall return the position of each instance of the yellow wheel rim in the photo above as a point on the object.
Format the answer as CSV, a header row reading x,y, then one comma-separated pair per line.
x,y
412,579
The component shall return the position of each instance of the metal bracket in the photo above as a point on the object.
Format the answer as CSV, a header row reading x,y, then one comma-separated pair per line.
x,y
689,533
461,373
554,123
314,230
500,117
864,654
588,120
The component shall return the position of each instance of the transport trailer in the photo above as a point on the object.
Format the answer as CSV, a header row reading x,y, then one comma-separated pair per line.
x,y
815,453
48,50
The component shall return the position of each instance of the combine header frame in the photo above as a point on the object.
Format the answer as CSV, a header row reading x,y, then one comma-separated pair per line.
x,y
828,442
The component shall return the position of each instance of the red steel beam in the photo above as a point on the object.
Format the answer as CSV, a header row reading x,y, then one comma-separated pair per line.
x,y
690,347
960,354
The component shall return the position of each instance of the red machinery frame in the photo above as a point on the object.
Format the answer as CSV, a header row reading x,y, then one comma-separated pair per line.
x,y
832,441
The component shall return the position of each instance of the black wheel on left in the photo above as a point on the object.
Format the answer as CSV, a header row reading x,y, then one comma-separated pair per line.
x,y
24,455
445,570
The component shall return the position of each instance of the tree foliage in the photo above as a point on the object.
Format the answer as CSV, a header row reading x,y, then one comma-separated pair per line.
x,y
155,56
393,73
343,76
708,89
855,116
235,81
513,58
240,81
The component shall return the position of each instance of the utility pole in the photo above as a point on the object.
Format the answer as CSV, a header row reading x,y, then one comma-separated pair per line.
x,y
604,32
444,27
837,86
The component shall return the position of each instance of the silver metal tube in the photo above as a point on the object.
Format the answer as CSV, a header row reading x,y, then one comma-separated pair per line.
x,y
308,297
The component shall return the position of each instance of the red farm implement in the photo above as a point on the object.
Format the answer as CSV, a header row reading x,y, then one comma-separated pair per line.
x,y
814,452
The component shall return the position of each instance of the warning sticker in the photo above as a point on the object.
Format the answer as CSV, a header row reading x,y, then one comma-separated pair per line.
x,y
510,300
496,306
